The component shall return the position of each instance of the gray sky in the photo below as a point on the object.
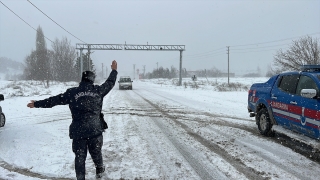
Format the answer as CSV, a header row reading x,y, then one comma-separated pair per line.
x,y
253,29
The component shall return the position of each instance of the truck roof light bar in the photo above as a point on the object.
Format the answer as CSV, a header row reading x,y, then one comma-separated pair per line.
x,y
310,68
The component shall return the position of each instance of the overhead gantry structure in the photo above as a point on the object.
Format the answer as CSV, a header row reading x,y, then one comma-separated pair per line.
x,y
131,47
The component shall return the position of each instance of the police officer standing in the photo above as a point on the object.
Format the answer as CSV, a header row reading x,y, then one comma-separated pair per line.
x,y
85,103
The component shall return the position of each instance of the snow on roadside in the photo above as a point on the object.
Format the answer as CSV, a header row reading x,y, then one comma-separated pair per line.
x,y
48,128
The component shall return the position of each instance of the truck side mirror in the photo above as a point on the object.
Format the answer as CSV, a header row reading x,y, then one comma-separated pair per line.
x,y
308,93
1,97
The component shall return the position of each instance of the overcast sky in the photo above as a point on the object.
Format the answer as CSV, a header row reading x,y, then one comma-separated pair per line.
x,y
253,29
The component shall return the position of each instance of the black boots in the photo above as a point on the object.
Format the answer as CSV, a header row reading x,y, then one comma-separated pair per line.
x,y
100,172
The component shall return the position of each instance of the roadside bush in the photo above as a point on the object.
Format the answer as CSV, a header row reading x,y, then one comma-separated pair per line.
x,y
194,85
17,93
232,87
175,82
185,84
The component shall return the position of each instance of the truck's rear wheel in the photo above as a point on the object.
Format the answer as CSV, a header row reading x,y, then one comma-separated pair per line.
x,y
264,123
2,120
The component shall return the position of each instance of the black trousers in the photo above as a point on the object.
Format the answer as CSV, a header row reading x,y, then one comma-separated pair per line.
x,y
80,148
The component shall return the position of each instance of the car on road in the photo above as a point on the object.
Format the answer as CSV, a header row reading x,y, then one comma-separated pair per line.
x,y
290,100
2,116
125,82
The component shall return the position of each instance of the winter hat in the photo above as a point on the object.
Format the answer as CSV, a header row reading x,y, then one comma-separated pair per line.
x,y
88,76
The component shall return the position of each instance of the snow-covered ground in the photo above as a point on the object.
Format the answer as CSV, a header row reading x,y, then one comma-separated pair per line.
x,y
156,131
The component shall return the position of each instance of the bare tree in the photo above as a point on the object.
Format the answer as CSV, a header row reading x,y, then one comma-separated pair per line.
x,y
30,70
304,51
50,55
64,59
173,72
269,73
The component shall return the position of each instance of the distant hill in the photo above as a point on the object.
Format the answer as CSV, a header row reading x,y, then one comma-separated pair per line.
x,y
9,69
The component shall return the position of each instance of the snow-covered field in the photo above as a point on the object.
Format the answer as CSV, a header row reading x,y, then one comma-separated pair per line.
x,y
156,131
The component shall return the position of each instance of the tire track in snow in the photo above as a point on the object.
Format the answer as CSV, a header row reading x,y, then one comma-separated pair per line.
x,y
171,165
204,112
27,172
41,115
201,170
310,152
158,155
267,153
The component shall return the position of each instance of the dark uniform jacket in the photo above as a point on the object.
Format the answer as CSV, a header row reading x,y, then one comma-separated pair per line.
x,y
85,103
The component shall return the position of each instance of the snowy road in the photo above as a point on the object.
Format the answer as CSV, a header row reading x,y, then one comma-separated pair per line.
x,y
154,132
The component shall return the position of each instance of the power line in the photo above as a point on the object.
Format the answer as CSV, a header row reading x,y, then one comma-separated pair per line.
x,y
56,22
275,40
213,53
260,47
201,55
188,58
237,51
23,20
205,52
205,55
208,53
255,51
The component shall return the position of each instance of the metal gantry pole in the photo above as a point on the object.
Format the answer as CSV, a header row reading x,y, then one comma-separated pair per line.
x,y
180,74
144,70
102,70
81,62
89,65
228,64
134,73
157,71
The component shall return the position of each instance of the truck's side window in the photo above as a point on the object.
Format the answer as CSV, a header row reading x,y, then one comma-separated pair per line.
x,y
288,83
306,82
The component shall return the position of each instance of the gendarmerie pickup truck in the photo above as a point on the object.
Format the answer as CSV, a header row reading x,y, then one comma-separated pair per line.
x,y
290,100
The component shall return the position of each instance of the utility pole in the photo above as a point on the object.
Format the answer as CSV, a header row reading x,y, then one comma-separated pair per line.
x,y
180,69
157,71
138,74
102,71
228,63
134,70
106,71
144,70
